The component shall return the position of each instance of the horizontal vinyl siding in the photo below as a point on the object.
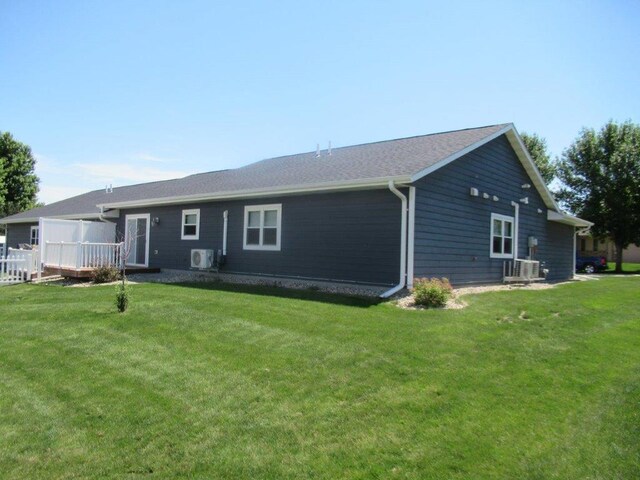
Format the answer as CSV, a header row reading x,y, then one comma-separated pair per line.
x,y
19,233
347,236
453,229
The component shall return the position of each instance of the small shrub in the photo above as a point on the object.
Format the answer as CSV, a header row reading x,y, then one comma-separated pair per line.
x,y
106,274
122,296
432,292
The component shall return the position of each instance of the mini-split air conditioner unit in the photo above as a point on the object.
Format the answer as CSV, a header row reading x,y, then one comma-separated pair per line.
x,y
201,258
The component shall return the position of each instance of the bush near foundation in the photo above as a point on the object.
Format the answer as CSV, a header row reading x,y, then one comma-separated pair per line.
x,y
432,292
106,274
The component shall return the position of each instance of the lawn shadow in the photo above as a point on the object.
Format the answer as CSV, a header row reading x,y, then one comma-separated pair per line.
x,y
310,294
623,272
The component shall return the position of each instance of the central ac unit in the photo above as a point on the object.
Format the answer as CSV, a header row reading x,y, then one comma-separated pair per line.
x,y
201,258
529,269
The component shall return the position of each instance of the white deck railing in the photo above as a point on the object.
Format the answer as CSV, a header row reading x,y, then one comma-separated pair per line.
x,y
16,268
79,255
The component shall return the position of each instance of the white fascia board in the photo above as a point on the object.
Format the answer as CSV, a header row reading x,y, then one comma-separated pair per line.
x,y
530,166
518,146
561,217
111,214
460,153
263,192
60,217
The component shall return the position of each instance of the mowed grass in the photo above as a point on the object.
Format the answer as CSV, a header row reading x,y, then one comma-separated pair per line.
x,y
626,267
214,381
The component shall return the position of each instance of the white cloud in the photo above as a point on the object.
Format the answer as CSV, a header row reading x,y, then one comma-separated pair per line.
x,y
147,157
60,180
50,193
46,164
122,173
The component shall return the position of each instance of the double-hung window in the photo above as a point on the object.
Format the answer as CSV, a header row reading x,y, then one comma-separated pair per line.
x,y
262,227
501,236
191,224
35,236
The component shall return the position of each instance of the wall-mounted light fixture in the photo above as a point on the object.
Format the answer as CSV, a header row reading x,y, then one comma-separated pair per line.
x,y
155,221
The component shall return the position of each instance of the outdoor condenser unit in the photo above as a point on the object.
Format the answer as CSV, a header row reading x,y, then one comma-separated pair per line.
x,y
201,258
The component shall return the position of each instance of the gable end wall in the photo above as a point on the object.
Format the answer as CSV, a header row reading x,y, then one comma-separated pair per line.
x,y
453,229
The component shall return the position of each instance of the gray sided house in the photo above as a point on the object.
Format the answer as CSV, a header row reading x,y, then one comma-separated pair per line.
x,y
456,204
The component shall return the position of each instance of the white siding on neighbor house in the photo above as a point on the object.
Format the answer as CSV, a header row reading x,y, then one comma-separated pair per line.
x,y
631,254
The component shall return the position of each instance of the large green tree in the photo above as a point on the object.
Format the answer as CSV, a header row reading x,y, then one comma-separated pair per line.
x,y
18,181
538,150
601,176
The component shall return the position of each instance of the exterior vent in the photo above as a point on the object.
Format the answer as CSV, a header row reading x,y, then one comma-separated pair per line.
x,y
201,258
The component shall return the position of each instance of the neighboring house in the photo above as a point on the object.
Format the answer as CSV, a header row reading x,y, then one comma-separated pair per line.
x,y
590,246
454,204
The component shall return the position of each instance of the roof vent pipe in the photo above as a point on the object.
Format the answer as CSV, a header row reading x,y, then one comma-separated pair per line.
x,y
329,147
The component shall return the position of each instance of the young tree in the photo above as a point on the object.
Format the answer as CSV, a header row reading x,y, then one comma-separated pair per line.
x,y
601,176
537,147
18,181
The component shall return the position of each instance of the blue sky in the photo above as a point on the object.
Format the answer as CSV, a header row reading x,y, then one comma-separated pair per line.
x,y
126,92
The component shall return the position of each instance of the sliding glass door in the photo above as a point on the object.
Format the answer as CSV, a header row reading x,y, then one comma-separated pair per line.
x,y
136,241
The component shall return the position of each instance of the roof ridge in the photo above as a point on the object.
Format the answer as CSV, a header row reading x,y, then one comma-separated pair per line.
x,y
376,142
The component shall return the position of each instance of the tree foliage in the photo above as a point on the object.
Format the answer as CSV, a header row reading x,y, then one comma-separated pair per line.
x,y
18,181
538,150
601,176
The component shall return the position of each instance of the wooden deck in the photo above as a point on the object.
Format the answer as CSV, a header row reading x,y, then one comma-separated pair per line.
x,y
88,272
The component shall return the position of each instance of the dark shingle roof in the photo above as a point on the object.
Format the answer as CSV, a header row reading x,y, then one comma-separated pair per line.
x,y
403,157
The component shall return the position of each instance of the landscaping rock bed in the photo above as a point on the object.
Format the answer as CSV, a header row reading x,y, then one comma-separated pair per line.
x,y
181,276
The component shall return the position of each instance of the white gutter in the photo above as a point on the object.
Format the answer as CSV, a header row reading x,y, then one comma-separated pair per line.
x,y
562,217
340,185
225,216
403,242
516,215
88,216
411,233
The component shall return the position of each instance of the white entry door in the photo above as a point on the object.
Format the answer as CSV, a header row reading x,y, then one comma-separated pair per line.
x,y
136,241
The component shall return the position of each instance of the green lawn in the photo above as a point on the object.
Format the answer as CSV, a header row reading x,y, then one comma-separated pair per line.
x,y
213,381
626,267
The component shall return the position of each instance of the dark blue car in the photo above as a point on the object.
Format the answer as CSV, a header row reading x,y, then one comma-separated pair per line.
x,y
590,264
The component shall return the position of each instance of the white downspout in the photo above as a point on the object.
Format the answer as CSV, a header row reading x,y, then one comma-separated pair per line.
x,y
41,247
516,214
403,243
411,233
577,231
575,240
225,216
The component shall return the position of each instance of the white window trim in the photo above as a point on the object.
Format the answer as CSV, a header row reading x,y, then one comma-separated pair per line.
x,y
504,218
196,236
261,209
35,228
